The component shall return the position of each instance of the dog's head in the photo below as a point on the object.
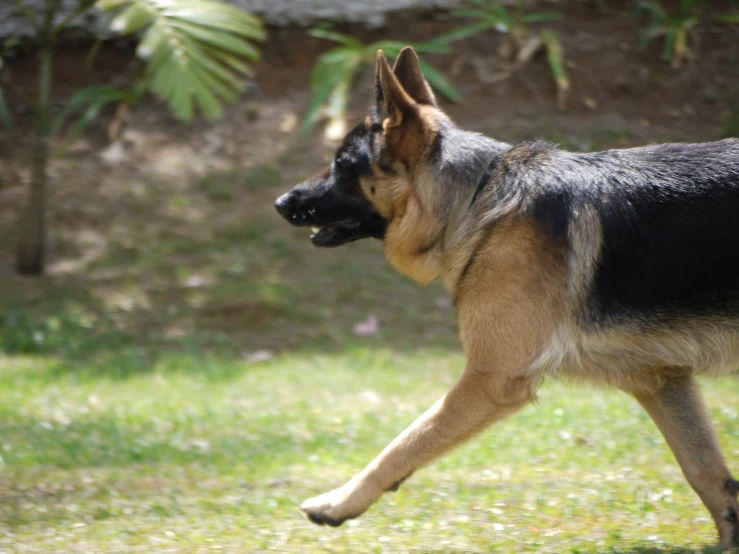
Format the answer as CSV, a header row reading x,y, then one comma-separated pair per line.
x,y
368,181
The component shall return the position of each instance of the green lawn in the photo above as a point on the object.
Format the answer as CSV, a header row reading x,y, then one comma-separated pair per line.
x,y
132,419
204,454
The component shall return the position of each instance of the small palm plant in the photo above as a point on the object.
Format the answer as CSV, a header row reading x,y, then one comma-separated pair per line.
x,y
195,55
678,28
521,42
337,69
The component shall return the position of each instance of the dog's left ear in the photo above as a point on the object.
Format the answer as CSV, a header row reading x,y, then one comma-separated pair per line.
x,y
399,104
407,69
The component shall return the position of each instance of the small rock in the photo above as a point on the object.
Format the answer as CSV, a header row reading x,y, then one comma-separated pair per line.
x,y
370,396
114,154
259,356
590,102
368,327
289,122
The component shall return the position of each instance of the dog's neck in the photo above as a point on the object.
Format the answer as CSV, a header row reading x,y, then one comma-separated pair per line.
x,y
442,193
459,161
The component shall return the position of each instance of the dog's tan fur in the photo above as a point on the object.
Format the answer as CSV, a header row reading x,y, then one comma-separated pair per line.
x,y
518,295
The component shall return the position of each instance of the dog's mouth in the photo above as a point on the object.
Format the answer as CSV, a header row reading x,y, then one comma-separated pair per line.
x,y
334,227
338,233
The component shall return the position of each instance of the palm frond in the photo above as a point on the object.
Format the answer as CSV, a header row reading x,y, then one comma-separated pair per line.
x,y
196,51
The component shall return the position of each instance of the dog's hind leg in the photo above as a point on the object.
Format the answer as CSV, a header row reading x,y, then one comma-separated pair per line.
x,y
679,412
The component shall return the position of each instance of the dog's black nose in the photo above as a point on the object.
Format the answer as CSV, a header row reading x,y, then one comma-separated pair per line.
x,y
282,204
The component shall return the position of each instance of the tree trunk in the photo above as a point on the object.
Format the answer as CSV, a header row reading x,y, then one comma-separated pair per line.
x,y
31,245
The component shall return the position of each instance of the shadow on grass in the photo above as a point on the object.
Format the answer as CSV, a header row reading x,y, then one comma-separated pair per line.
x,y
165,440
127,325
207,269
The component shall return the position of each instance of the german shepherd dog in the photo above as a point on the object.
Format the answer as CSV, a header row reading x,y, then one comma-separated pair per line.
x,y
613,268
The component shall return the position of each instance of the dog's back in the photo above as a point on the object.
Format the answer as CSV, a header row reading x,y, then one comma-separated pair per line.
x,y
652,237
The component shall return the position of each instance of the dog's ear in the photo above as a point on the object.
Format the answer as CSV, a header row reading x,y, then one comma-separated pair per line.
x,y
379,98
398,102
407,69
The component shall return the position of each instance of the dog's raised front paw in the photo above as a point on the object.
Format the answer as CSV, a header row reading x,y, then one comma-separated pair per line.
x,y
335,507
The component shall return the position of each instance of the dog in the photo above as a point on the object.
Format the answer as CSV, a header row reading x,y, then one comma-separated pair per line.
x,y
612,268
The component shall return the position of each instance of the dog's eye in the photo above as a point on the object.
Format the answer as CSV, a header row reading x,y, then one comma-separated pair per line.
x,y
372,190
344,162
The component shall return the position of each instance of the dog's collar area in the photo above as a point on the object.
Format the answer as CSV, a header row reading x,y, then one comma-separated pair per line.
x,y
464,208
478,190
484,180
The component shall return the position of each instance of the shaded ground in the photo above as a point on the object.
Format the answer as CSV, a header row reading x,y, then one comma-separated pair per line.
x,y
168,234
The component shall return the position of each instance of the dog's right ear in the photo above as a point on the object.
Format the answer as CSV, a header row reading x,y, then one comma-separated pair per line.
x,y
407,69
398,102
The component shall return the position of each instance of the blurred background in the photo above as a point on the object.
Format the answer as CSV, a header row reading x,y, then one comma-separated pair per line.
x,y
179,368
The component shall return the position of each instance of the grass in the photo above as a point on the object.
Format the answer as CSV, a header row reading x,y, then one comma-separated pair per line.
x,y
203,454
133,417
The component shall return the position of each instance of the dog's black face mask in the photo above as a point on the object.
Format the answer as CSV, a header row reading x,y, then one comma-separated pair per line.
x,y
333,200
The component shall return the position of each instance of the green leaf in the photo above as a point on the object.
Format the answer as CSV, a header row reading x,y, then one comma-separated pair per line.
x,y
669,45
106,5
477,14
654,9
219,40
433,47
196,51
5,117
339,98
225,18
94,98
132,19
341,38
555,57
731,18
336,69
389,47
653,31
393,47
337,55
437,80
543,16
464,32
327,77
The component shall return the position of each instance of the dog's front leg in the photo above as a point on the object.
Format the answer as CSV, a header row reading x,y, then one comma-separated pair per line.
x,y
477,400
507,315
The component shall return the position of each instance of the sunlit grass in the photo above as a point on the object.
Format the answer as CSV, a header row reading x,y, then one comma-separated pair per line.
x,y
202,454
